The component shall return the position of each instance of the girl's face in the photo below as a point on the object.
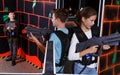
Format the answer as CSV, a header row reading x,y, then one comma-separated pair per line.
x,y
89,22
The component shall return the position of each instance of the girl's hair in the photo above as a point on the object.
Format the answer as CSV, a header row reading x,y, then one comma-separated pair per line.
x,y
86,13
61,13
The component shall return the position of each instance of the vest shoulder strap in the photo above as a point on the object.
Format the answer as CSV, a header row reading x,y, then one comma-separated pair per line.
x,y
65,42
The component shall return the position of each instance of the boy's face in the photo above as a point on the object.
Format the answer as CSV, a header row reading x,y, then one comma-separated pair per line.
x,y
11,15
54,20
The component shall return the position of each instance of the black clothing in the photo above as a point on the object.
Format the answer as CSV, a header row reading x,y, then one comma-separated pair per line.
x,y
82,37
12,36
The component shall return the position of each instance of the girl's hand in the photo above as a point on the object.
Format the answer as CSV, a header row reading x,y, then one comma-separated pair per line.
x,y
106,47
93,49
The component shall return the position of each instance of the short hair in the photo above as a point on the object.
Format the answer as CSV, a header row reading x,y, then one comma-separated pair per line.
x,y
61,13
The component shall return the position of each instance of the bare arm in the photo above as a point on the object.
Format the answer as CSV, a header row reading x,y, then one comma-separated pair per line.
x,y
39,44
92,49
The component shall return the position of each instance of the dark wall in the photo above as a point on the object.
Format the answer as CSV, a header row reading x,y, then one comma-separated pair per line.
x,y
110,60
36,16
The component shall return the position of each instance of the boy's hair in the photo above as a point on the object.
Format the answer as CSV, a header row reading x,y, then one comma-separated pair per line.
x,y
61,13
11,11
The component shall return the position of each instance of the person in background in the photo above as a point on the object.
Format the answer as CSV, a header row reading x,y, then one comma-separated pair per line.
x,y
85,30
11,30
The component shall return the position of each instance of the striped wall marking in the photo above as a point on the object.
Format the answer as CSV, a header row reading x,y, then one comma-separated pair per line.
x,y
30,63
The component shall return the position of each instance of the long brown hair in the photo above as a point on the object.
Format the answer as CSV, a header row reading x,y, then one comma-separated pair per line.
x,y
86,13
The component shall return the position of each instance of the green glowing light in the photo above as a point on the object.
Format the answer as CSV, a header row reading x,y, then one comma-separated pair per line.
x,y
34,3
114,57
118,2
5,18
6,9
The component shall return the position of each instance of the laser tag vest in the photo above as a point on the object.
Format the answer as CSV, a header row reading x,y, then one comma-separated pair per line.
x,y
65,42
12,33
87,59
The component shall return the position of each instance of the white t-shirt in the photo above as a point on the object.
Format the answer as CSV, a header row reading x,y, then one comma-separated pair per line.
x,y
72,55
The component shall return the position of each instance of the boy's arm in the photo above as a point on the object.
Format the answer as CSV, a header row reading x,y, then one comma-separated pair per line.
x,y
39,44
